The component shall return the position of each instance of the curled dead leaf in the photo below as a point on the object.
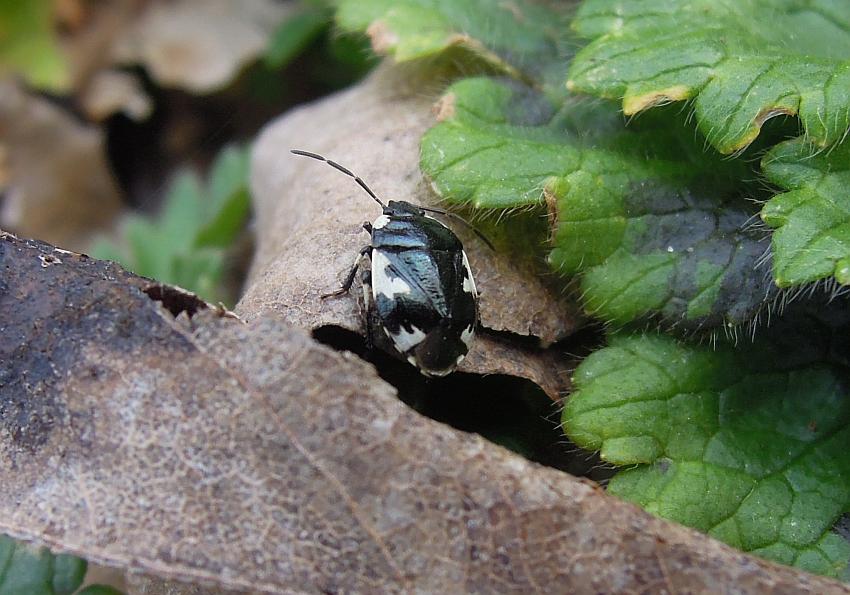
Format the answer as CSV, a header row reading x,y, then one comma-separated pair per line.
x,y
309,225
113,91
56,180
199,45
249,457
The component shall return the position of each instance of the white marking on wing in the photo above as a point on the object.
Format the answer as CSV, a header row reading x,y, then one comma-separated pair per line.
x,y
466,335
380,222
382,283
468,283
405,341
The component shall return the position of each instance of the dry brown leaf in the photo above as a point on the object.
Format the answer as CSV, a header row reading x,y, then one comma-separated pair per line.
x,y
145,584
57,183
199,45
247,456
89,30
309,219
113,91
106,576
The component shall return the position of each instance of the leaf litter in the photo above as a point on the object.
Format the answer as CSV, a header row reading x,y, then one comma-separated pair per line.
x,y
248,456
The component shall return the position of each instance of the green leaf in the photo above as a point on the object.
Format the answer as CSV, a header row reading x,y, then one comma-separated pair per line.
x,y
294,34
182,210
187,243
150,254
230,200
654,224
748,445
812,220
27,570
28,45
741,62
519,38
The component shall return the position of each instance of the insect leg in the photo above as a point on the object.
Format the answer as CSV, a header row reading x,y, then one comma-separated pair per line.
x,y
349,279
366,280
368,227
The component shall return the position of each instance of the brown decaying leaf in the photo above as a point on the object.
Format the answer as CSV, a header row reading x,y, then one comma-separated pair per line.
x,y
199,45
145,584
247,456
56,180
113,91
309,219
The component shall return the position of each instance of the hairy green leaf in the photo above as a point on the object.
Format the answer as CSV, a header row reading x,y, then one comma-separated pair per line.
x,y
27,570
187,243
812,239
28,46
520,38
742,62
748,445
654,224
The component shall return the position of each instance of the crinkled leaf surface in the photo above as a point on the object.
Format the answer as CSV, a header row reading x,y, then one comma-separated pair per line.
x,y
654,223
749,446
249,457
742,62
520,38
812,239
28,570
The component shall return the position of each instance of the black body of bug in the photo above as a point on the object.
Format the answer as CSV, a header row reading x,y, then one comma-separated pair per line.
x,y
419,289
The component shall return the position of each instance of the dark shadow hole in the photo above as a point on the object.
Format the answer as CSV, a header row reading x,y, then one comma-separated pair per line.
x,y
175,300
842,529
512,412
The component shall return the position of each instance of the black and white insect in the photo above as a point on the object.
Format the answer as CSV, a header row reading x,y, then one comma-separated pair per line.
x,y
419,289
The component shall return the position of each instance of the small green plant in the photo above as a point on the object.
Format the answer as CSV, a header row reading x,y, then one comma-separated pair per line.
x,y
187,243
27,570
656,217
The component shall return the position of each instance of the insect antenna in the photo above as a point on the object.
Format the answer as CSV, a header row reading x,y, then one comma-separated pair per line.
x,y
344,170
457,217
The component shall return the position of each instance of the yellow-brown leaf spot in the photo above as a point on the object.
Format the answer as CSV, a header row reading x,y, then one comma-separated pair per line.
x,y
634,104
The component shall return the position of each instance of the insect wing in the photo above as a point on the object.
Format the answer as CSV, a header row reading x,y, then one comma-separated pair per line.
x,y
416,291
407,294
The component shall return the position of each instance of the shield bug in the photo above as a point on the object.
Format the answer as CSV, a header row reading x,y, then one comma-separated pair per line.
x,y
419,289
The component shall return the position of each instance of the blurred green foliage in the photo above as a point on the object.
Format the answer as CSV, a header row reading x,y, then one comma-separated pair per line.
x,y
28,45
186,244
294,35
